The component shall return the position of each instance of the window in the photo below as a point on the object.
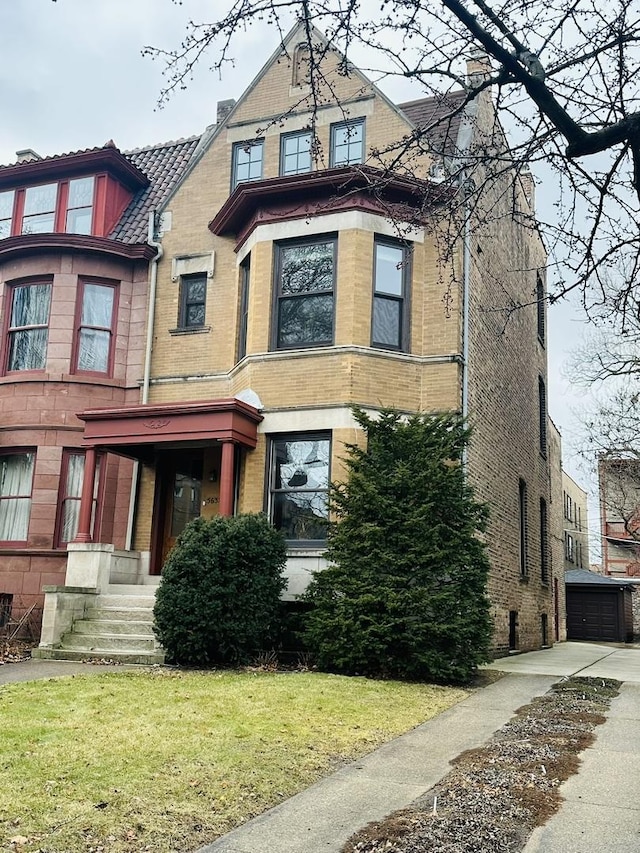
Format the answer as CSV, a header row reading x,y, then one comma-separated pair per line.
x,y
39,209
540,306
193,299
79,215
16,479
568,547
6,213
245,276
513,630
523,532
299,487
28,327
95,328
542,414
568,507
391,275
247,161
305,275
347,142
295,153
71,479
544,542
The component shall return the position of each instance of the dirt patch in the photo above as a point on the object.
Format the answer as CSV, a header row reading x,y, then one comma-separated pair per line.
x,y
496,795
14,651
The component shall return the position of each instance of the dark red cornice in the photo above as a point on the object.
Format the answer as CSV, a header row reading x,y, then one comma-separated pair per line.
x,y
107,159
313,193
29,244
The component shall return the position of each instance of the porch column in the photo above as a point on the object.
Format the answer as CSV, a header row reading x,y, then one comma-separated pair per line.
x,y
86,498
226,478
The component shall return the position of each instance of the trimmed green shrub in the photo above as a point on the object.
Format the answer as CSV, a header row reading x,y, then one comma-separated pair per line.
x,y
404,594
219,596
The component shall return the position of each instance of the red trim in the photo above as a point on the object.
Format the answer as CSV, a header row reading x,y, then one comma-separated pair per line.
x,y
133,430
84,163
62,200
305,194
28,244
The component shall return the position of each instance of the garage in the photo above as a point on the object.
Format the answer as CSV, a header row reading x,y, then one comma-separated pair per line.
x,y
598,608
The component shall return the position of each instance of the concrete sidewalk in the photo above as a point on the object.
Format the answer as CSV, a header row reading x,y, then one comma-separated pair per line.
x,y
324,816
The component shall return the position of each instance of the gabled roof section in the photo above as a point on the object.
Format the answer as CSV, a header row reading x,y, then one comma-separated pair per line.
x,y
440,117
107,158
163,165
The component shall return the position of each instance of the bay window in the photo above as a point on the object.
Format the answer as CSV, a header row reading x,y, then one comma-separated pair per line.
x,y
79,213
28,326
39,214
95,332
60,206
70,493
305,277
299,487
16,480
6,213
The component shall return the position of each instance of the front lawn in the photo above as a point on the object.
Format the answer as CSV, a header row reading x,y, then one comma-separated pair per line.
x,y
166,760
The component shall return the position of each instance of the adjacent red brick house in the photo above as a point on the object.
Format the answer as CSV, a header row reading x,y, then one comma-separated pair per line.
x,y
74,263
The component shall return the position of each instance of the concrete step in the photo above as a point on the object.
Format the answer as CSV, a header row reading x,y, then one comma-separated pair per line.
x,y
131,657
127,600
106,643
102,626
120,614
147,588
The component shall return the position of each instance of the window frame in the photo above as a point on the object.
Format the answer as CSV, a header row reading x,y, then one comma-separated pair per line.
x,y
523,529
183,302
9,330
243,307
542,415
403,299
79,326
61,208
98,487
20,451
337,126
296,134
243,146
271,490
316,239
544,542
569,547
540,309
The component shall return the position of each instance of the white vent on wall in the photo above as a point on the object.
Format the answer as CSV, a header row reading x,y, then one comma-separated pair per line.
x,y
192,264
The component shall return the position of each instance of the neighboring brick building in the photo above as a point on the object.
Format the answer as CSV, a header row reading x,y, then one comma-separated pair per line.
x,y
576,524
285,294
619,480
73,301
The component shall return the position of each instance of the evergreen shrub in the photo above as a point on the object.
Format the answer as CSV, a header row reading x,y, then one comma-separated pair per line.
x,y
219,597
404,595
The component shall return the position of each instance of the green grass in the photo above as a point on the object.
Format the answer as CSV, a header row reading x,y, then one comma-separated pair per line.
x,y
163,761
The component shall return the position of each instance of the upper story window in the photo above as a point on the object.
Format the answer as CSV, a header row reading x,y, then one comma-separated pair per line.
x,y
523,528
540,307
94,342
6,212
295,153
16,479
245,280
193,301
299,487
347,142
247,161
60,206
27,333
391,275
542,413
305,279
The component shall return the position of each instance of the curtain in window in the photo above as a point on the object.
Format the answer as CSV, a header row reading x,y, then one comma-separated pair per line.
x,y
73,492
95,331
16,475
30,308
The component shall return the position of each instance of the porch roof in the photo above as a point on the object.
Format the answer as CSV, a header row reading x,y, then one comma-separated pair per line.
x,y
136,430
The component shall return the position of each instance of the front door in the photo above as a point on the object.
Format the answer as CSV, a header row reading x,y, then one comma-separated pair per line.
x,y
188,487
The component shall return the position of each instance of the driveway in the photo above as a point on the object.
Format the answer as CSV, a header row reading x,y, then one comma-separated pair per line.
x,y
588,659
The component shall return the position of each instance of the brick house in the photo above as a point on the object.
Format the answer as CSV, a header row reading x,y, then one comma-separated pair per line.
x,y
74,264
284,294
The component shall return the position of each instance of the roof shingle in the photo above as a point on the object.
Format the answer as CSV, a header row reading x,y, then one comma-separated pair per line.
x,y
440,117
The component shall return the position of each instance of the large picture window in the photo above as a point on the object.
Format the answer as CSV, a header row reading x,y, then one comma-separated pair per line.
x,y
28,326
299,487
391,274
95,328
16,479
305,276
70,493
247,162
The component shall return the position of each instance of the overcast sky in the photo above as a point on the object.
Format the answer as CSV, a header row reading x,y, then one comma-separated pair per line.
x,y
72,77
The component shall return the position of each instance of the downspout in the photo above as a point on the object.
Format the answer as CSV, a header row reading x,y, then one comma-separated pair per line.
x,y
466,278
146,377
